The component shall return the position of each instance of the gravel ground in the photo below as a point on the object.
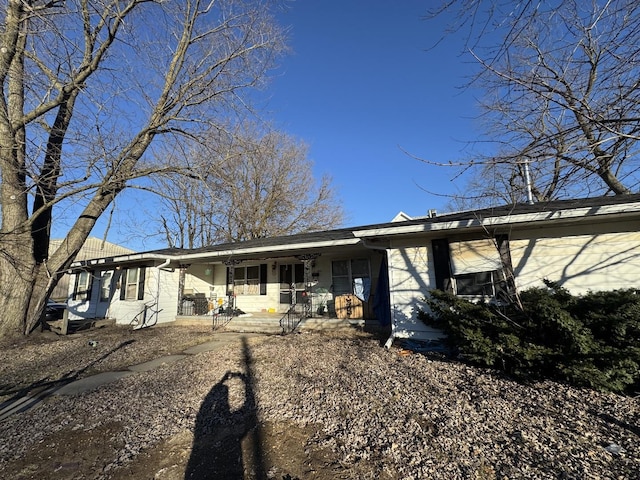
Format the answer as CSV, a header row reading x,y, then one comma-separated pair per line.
x,y
366,412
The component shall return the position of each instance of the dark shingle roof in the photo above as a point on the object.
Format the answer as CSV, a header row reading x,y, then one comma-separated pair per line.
x,y
348,233
550,206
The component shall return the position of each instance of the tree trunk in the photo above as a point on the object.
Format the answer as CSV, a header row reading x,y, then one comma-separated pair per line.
x,y
613,182
16,283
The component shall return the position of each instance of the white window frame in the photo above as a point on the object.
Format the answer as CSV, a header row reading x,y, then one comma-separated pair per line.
x,y
105,285
130,285
350,276
472,261
246,284
83,285
485,290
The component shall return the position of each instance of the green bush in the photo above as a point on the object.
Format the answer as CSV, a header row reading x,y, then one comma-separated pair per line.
x,y
591,340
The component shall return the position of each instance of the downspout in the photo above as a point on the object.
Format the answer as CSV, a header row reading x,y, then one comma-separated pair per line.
x,y
389,341
164,264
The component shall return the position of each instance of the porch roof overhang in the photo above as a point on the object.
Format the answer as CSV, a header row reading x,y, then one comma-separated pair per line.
x,y
129,260
255,252
171,258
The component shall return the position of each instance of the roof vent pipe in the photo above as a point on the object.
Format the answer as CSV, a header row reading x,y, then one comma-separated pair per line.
x,y
527,181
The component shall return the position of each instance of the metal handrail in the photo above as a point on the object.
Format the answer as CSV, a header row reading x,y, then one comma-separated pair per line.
x,y
293,317
222,315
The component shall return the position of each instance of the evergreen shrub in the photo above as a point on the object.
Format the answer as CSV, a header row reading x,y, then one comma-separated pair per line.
x,y
591,340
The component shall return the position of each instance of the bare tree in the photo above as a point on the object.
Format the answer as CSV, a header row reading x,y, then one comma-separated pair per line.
x,y
562,101
182,216
89,86
252,184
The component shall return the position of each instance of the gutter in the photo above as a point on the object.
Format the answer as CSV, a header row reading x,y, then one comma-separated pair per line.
x,y
115,260
160,267
573,214
272,248
221,254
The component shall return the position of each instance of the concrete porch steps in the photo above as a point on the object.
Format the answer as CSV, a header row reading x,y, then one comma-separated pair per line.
x,y
256,323
270,323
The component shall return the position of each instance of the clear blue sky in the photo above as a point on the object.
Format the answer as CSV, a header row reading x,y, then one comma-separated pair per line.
x,y
362,84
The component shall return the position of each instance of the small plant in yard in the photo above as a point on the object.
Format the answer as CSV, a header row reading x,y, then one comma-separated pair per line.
x,y
591,340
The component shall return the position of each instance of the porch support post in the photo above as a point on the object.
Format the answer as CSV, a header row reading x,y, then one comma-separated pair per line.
x,y
231,263
308,259
181,278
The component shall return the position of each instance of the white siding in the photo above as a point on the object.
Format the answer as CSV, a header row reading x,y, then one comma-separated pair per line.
x,y
593,257
258,303
578,260
410,278
124,311
322,287
168,298
321,283
80,309
198,279
92,248
247,303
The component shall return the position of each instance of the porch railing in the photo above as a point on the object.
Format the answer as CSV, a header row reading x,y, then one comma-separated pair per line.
x,y
293,317
194,305
222,315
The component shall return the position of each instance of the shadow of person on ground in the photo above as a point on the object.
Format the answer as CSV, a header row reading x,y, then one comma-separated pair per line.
x,y
227,441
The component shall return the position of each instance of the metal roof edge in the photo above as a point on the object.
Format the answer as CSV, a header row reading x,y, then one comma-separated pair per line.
x,y
134,257
228,253
555,211
513,219
213,254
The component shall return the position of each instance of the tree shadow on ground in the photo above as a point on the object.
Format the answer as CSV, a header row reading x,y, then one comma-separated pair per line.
x,y
227,439
25,398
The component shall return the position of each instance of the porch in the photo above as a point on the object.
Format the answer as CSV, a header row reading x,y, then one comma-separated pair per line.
x,y
277,323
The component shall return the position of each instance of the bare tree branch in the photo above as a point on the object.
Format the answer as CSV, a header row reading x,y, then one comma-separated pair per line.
x,y
90,88
561,93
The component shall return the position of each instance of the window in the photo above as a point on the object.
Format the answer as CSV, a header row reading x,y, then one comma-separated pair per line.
x,y
345,272
475,265
250,280
105,286
479,284
82,288
474,256
132,284
291,274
